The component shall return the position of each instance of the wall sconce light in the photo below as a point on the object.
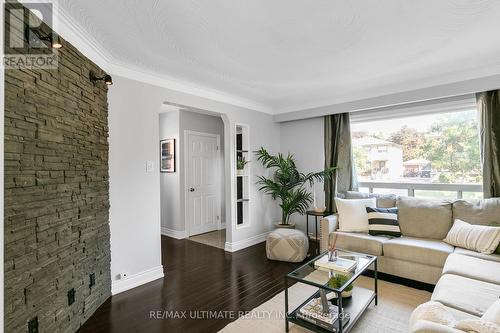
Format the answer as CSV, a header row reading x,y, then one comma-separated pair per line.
x,y
56,41
52,39
106,78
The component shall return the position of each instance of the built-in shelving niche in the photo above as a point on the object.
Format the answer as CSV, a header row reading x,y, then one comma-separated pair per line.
x,y
242,176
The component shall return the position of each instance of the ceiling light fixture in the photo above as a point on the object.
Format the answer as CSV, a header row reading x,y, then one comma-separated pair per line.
x,y
106,78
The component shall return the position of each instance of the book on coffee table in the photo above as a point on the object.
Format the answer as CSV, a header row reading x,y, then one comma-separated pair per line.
x,y
312,312
340,264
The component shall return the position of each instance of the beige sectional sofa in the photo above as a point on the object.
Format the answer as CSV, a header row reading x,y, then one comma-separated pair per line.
x,y
467,288
420,254
467,282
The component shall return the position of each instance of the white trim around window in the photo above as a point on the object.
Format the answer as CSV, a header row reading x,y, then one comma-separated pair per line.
x,y
443,105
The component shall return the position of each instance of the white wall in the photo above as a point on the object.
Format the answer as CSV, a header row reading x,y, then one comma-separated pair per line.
x,y
172,125
170,198
134,194
305,140
134,109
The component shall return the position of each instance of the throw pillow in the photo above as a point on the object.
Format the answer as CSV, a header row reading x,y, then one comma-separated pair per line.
x,y
477,238
383,221
496,224
352,214
431,311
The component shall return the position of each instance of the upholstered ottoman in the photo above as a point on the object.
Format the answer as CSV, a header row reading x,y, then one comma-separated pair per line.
x,y
287,245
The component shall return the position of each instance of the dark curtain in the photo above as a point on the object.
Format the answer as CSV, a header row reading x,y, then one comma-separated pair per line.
x,y
488,105
338,153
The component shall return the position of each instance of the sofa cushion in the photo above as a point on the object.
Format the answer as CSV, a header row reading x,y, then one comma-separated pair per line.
x,y
493,313
359,242
464,294
474,268
482,212
479,238
491,257
424,218
383,200
419,250
460,315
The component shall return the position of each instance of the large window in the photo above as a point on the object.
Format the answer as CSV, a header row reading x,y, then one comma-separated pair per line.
x,y
429,149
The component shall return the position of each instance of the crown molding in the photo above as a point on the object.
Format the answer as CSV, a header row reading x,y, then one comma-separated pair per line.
x,y
69,29
83,41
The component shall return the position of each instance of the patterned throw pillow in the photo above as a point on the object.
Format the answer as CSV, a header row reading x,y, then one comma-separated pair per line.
x,y
383,221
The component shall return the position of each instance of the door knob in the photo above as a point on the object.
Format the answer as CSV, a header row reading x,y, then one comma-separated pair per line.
x,y
191,189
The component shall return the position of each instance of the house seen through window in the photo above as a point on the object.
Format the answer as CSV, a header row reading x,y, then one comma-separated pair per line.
x,y
438,153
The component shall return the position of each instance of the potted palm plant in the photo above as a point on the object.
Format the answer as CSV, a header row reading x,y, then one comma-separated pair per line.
x,y
287,184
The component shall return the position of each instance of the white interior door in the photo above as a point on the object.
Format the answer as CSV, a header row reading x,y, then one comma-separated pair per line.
x,y
202,182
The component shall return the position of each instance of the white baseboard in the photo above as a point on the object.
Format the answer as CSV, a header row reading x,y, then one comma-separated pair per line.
x,y
177,234
222,226
244,243
135,280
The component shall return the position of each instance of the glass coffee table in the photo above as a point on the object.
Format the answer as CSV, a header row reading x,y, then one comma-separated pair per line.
x,y
318,272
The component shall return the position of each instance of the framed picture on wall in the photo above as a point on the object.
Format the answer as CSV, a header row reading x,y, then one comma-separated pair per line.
x,y
167,155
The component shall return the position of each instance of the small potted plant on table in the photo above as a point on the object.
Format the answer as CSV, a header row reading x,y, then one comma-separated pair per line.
x,y
337,281
240,165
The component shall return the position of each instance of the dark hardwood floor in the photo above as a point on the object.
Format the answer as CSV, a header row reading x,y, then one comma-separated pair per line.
x,y
197,278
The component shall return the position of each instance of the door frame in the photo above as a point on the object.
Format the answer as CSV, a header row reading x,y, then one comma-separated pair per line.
x,y
187,133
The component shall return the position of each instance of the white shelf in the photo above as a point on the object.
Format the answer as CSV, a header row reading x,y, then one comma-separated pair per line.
x,y
242,178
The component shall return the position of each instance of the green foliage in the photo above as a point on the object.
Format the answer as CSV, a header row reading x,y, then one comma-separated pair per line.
x,y
287,183
338,280
454,144
451,144
361,159
240,163
443,178
411,140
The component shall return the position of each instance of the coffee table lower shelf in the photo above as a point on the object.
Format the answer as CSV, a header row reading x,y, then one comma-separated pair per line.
x,y
360,301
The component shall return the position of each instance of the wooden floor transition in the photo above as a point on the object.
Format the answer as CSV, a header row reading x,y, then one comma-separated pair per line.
x,y
198,278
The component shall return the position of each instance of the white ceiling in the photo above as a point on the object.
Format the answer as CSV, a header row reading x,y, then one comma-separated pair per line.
x,y
285,55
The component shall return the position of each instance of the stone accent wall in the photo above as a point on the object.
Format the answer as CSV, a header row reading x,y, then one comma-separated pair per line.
x,y
56,195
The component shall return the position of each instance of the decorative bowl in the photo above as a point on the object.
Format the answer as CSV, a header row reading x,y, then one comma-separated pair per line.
x,y
319,209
